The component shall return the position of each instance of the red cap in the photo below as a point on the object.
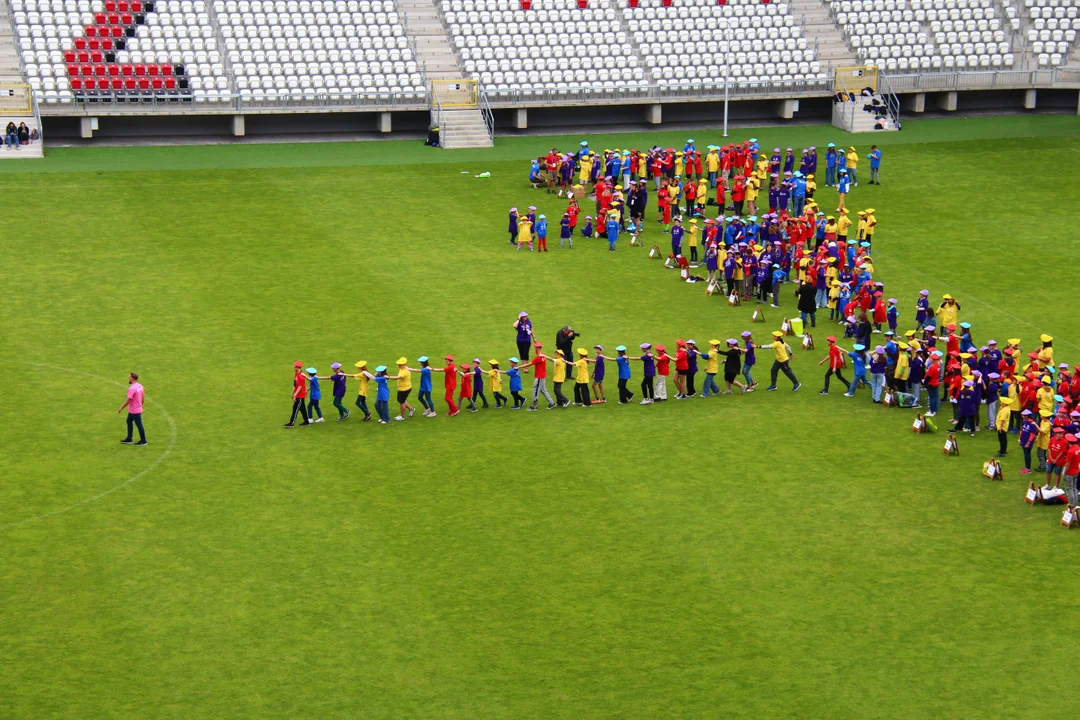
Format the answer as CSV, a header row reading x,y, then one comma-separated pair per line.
x,y
538,344
298,364
661,348
680,343
950,327
831,338
449,357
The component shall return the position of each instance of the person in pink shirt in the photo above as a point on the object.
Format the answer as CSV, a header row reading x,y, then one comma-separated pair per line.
x,y
134,405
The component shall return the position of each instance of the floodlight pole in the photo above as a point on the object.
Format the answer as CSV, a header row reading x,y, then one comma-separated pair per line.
x,y
727,80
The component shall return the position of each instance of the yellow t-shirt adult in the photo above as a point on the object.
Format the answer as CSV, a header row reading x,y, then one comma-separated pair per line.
x,y
852,159
404,381
712,365
1001,423
842,224
712,162
780,350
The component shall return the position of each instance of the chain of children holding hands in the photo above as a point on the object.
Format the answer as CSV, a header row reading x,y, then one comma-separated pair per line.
x,y
735,173
1039,402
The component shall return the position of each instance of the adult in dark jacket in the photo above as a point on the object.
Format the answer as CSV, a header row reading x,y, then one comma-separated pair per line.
x,y
808,303
564,341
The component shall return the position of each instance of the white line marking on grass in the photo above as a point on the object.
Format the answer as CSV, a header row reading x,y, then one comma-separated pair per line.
x,y
968,296
130,480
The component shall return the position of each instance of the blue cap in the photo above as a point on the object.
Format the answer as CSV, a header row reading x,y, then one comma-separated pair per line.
x,y
858,348
422,358
832,144
313,371
753,139
753,218
542,217
514,360
584,142
864,244
965,325
381,368
621,348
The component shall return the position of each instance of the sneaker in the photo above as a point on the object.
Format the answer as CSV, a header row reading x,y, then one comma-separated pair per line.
x,y
411,411
931,414
309,422
366,418
141,442
517,407
453,413
1000,454
321,420
629,399
578,405
1025,471
347,414
383,422
729,392
823,392
848,395
398,417
796,388
770,388
471,410
552,406
532,408
690,395
750,389
129,442
566,404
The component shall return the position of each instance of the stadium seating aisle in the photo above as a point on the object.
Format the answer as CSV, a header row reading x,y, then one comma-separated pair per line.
x,y
926,35
693,40
301,49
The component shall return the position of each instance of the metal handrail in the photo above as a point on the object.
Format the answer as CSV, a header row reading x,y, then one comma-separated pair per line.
x,y
892,102
440,119
485,111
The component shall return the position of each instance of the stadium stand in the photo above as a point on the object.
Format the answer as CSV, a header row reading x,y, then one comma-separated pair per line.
x,y
294,48
95,48
926,35
701,41
551,45
1050,27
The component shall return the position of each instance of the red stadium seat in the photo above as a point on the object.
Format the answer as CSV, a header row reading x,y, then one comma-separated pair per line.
x,y
114,70
144,83
157,83
94,44
73,69
103,83
84,57
95,57
99,18
80,43
114,19
126,70
166,69
106,44
86,70
110,6
76,84
117,83
135,5
126,19
117,31
129,83
99,70
151,70
170,83
140,69
122,6
69,56
91,31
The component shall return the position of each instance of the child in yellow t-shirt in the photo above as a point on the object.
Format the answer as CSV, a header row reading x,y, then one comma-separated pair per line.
x,y
495,378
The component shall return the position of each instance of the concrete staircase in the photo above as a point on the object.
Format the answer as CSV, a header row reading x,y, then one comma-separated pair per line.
x,y
832,46
433,47
463,128
851,117
10,70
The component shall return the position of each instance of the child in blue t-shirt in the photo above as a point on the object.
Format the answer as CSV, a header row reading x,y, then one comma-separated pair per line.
x,y
515,384
314,395
425,387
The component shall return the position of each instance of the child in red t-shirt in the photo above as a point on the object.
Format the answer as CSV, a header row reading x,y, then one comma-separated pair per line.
x,y
1056,450
663,370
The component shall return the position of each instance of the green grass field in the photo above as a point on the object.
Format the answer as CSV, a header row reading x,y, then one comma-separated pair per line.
x,y
773,555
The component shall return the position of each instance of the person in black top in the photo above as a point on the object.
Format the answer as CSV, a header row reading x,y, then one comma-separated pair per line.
x,y
24,134
732,365
11,136
564,340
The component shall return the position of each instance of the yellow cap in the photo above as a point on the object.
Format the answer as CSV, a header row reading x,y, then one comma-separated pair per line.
x,y
1046,338
777,333
362,364
495,362
843,211
870,211
714,342
402,361
909,334
582,352
946,296
1014,341
904,346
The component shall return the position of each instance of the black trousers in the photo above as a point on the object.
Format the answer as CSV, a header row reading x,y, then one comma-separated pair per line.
x,y
839,376
523,350
647,386
518,398
690,383
624,394
738,207
1003,441
298,406
560,399
581,393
